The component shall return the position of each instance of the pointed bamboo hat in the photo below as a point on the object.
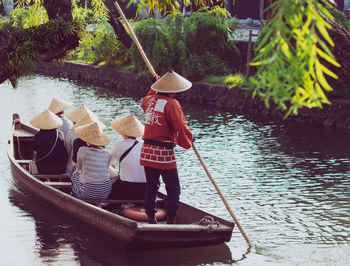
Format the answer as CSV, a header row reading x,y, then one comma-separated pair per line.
x,y
58,105
87,119
76,114
171,82
128,125
46,120
92,133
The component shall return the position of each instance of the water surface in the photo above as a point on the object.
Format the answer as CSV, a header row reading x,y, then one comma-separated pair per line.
x,y
287,184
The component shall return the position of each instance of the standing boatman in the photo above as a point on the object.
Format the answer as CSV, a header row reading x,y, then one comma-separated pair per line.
x,y
165,126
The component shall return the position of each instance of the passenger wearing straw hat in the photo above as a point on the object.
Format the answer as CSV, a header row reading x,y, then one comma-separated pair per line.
x,y
50,152
58,106
73,143
165,127
132,181
91,180
74,115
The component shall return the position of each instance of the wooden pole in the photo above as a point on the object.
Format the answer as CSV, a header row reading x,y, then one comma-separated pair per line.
x,y
222,197
136,41
193,146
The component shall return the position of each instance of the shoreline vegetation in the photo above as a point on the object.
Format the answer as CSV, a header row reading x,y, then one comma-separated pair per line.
x,y
235,100
200,47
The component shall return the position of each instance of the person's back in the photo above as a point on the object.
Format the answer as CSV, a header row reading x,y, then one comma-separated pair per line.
x,y
51,154
165,126
126,152
66,126
58,106
91,179
130,168
132,179
53,162
92,164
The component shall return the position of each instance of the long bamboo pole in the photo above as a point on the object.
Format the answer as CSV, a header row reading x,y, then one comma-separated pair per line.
x,y
250,244
222,197
136,41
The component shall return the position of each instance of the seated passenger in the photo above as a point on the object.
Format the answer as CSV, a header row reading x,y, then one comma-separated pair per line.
x,y
73,143
58,106
132,181
50,152
90,180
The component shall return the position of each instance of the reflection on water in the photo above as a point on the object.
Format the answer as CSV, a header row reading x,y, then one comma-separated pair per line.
x,y
287,183
61,239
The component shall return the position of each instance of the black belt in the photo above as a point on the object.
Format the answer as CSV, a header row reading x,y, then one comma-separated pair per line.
x,y
159,143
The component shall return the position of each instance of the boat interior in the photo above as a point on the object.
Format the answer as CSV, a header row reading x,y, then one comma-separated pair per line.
x,y
23,137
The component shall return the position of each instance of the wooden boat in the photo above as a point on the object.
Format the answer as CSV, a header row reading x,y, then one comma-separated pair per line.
x,y
193,227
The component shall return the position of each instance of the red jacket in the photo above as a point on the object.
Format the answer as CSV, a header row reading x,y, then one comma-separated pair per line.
x,y
164,122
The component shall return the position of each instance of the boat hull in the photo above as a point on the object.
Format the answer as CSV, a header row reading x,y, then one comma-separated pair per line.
x,y
134,235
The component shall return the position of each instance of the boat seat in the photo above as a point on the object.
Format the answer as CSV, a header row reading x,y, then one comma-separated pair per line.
x,y
50,177
59,184
113,201
23,161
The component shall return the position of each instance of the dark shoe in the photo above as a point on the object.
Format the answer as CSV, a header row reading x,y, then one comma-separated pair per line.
x,y
152,220
170,220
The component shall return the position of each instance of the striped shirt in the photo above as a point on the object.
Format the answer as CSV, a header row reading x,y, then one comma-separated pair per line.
x,y
90,191
92,165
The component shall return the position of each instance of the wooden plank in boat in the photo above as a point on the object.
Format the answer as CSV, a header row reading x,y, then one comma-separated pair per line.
x,y
59,184
114,201
45,176
23,161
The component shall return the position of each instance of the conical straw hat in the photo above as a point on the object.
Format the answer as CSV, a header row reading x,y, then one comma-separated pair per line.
x,y
57,105
46,120
171,82
76,114
92,133
128,125
87,119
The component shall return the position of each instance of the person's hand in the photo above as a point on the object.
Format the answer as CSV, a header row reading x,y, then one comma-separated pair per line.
x,y
193,139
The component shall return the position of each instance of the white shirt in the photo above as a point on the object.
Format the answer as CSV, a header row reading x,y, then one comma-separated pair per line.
x,y
92,165
66,126
130,168
68,143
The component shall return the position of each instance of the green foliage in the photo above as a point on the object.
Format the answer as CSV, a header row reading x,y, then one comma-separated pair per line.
x,y
231,80
206,33
31,41
86,15
290,53
236,80
28,16
100,44
193,47
154,38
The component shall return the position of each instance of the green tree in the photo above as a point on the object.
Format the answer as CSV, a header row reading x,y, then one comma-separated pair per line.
x,y
301,47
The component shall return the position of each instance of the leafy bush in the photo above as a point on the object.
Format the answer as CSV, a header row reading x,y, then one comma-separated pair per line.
x,y
99,45
205,32
29,16
154,38
194,46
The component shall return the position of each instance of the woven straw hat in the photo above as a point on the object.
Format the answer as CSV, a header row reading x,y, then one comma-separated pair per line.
x,y
76,114
128,125
92,133
87,119
46,120
57,105
171,82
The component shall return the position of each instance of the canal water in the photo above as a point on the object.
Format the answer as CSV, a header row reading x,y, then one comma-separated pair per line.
x,y
287,183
